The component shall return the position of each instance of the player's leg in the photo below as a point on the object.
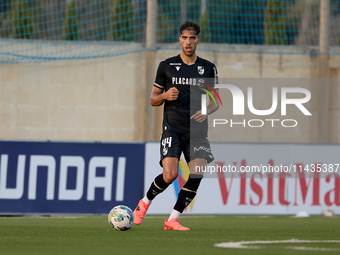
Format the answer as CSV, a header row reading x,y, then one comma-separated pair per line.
x,y
198,154
156,187
189,190
170,153
186,194
162,181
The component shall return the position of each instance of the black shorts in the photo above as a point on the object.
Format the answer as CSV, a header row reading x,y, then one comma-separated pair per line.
x,y
173,144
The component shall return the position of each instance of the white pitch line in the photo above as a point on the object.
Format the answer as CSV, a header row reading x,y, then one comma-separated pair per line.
x,y
303,248
244,244
15,237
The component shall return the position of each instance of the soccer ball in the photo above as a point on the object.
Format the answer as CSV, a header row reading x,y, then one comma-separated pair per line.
x,y
121,218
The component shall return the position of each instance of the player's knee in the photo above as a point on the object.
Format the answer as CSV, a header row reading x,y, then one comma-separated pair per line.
x,y
170,176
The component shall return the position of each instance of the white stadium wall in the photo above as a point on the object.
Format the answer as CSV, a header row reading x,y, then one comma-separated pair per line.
x,y
107,99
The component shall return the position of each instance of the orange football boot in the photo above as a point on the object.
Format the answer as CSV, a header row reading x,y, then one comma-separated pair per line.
x,y
174,225
140,211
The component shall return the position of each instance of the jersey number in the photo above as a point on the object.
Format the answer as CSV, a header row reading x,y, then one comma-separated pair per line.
x,y
166,143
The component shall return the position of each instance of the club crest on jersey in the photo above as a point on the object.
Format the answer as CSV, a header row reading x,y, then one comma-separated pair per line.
x,y
200,70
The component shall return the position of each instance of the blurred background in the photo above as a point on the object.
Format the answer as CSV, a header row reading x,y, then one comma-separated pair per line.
x,y
83,70
124,25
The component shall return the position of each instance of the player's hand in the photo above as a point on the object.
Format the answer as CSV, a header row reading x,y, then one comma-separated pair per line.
x,y
198,116
171,94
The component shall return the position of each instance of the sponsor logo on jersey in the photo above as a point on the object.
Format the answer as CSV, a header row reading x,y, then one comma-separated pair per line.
x,y
200,70
184,81
175,64
177,68
202,148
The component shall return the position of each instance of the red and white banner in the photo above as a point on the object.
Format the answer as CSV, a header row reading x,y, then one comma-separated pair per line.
x,y
256,179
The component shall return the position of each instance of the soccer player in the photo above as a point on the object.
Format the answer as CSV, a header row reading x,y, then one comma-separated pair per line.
x,y
184,126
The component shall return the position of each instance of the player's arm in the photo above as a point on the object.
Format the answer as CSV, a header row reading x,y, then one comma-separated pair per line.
x,y
212,107
158,96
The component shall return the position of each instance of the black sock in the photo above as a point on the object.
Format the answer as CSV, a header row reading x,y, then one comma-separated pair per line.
x,y
188,192
184,199
158,186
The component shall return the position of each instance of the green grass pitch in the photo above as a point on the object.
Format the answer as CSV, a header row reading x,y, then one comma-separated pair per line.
x,y
93,235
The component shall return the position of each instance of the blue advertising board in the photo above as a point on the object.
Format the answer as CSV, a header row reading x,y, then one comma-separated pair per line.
x,y
69,177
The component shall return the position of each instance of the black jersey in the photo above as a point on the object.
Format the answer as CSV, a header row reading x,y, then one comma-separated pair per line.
x,y
172,72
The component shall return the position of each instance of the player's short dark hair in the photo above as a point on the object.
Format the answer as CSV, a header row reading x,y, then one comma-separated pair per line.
x,y
190,25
